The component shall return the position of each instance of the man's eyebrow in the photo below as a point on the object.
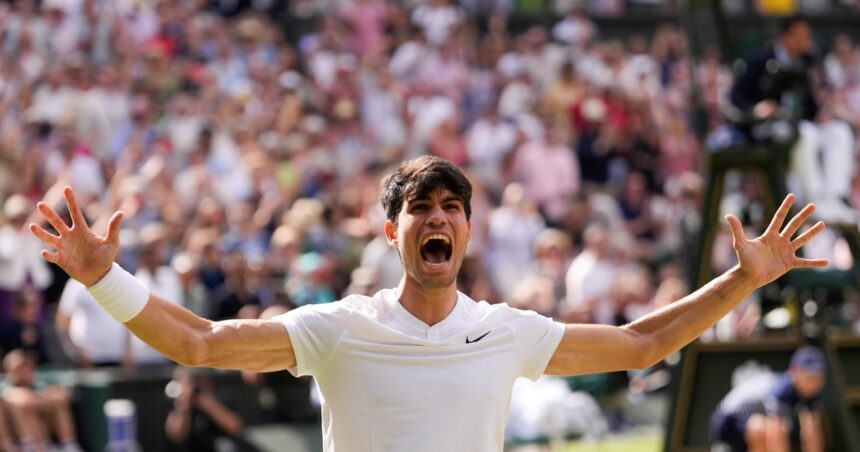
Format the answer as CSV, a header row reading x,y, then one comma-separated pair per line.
x,y
424,198
417,199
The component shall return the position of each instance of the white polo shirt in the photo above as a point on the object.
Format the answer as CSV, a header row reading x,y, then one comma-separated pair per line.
x,y
389,382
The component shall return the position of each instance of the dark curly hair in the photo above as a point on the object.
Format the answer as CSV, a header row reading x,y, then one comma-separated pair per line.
x,y
419,177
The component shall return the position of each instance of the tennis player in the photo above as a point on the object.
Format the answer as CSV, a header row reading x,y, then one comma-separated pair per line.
x,y
419,367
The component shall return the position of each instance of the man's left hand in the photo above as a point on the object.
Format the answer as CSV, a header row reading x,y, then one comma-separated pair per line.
x,y
773,253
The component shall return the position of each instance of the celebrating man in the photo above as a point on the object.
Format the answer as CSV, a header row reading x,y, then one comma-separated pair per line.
x,y
419,367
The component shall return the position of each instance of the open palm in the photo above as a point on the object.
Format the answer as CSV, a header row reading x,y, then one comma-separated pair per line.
x,y
773,253
80,252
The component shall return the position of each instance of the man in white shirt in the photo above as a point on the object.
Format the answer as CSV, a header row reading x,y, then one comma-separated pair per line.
x,y
420,367
20,265
590,279
92,337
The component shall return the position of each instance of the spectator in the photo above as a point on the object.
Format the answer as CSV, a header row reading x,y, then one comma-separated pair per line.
x,y
841,64
679,150
553,251
24,330
367,20
447,143
235,293
513,228
576,29
198,420
381,105
632,294
71,158
380,259
490,140
21,266
194,294
559,96
757,413
549,173
25,20
636,207
438,19
7,441
37,413
764,94
91,337
590,279
160,279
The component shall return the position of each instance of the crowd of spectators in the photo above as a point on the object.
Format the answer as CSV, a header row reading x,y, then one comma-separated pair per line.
x,y
248,165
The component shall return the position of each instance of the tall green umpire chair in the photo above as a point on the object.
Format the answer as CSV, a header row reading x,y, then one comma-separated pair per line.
x,y
701,377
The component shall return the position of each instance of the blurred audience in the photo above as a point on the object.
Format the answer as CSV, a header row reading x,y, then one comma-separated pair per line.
x,y
7,440
247,156
590,279
199,421
21,265
37,414
25,329
90,336
778,85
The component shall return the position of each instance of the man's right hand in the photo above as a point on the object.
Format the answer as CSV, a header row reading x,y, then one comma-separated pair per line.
x,y
80,252
765,109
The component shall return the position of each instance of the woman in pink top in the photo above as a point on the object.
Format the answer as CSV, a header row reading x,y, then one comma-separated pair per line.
x,y
366,19
446,142
678,149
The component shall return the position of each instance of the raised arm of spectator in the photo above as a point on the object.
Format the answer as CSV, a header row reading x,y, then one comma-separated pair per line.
x,y
641,344
257,345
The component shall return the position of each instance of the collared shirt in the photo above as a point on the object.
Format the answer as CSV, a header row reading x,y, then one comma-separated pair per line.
x,y
781,53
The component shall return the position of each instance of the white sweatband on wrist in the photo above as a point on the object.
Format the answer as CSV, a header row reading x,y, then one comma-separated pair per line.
x,y
120,294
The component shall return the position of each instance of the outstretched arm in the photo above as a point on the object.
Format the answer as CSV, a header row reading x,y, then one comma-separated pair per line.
x,y
257,345
602,348
246,344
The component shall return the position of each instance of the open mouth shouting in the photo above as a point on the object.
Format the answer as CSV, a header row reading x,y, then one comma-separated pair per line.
x,y
436,250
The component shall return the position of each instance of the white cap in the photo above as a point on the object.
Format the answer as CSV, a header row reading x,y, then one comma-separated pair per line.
x,y
119,408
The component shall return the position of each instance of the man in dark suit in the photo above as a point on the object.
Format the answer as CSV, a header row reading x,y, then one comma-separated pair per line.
x,y
775,88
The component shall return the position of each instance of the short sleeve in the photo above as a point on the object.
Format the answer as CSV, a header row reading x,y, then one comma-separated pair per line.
x,y
314,331
538,338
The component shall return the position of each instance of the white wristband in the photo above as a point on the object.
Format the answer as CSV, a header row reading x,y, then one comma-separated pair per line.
x,y
120,294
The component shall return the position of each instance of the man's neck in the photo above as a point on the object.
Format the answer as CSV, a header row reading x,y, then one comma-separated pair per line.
x,y
431,306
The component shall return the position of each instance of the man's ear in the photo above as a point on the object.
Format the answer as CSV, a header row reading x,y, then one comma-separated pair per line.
x,y
469,229
391,233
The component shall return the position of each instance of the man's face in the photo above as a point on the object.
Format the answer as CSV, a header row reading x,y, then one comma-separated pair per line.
x,y
807,384
798,39
431,235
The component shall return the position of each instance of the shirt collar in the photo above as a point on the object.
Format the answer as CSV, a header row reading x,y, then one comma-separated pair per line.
x,y
781,53
413,326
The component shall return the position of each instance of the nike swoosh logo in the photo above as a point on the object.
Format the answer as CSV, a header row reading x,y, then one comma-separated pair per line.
x,y
477,339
